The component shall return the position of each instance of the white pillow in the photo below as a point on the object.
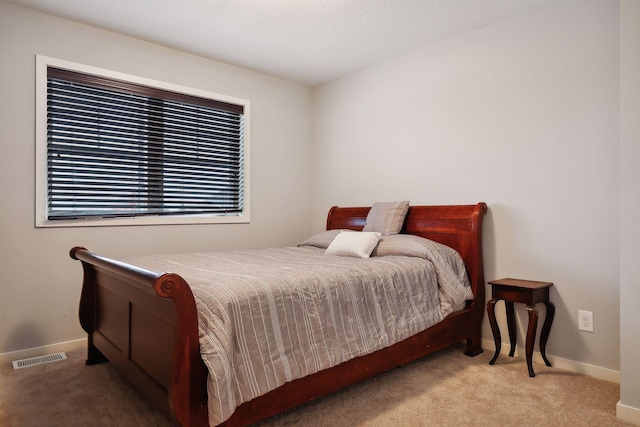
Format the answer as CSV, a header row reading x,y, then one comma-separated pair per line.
x,y
354,243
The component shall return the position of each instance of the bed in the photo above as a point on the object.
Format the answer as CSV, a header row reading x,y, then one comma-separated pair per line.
x,y
146,323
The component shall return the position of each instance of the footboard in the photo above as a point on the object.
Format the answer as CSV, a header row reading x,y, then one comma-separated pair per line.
x,y
146,324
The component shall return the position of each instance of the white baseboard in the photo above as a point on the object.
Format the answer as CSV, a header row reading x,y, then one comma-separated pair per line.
x,y
624,412
628,413
559,362
487,345
45,349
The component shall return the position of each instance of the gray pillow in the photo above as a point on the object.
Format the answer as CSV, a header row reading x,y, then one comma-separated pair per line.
x,y
387,217
321,240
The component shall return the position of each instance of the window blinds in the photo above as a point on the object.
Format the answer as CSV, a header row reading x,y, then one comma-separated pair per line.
x,y
117,149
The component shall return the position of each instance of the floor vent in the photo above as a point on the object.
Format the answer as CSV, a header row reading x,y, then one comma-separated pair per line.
x,y
40,360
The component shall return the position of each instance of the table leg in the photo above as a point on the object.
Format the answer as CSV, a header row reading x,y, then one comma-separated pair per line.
x,y
546,327
494,328
531,337
511,324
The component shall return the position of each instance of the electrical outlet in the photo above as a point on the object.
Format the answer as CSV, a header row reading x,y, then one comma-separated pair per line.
x,y
585,320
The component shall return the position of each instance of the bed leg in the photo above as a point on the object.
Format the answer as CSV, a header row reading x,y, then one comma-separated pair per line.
x,y
94,356
474,347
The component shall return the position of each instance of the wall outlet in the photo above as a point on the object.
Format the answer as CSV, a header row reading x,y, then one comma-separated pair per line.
x,y
585,320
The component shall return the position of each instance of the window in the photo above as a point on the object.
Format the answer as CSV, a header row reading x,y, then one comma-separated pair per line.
x,y
121,151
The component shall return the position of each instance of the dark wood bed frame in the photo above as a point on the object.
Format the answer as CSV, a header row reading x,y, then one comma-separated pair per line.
x,y
146,324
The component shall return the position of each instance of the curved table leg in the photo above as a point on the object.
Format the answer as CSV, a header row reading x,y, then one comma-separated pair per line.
x,y
494,328
546,327
531,337
511,324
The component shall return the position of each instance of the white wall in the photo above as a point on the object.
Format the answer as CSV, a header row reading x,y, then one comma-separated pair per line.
x,y
629,405
40,285
521,114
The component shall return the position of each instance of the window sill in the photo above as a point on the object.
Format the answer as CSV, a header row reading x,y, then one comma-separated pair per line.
x,y
141,221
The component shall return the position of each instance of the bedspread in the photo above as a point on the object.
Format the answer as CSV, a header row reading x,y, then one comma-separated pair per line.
x,y
274,315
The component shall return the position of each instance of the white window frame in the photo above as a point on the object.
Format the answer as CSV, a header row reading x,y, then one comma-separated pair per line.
x,y
41,220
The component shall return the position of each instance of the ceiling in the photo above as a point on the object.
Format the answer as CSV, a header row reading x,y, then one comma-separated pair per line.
x,y
307,41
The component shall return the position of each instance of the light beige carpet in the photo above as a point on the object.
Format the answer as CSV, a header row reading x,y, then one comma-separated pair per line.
x,y
445,389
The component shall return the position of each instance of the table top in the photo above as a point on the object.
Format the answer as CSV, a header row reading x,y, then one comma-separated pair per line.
x,y
521,283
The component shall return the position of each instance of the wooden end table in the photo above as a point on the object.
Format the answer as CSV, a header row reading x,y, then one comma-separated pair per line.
x,y
528,292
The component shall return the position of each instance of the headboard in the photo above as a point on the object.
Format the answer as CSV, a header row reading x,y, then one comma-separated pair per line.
x,y
457,226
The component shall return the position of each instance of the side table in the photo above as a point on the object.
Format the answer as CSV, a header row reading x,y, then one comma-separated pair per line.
x,y
528,292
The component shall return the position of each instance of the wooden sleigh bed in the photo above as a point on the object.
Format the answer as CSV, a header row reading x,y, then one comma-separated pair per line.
x,y
146,324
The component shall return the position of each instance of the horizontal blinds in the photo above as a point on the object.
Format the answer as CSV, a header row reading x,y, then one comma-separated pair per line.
x,y
113,152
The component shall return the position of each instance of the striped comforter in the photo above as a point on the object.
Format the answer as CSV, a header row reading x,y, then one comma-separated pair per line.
x,y
274,315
